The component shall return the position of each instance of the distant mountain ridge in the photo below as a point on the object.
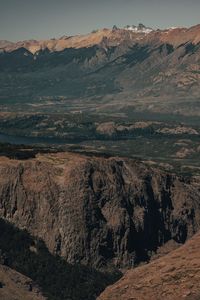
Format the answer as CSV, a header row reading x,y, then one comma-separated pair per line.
x,y
151,70
98,211
115,36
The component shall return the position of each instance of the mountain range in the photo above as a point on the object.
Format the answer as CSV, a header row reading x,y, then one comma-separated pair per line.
x,y
135,67
140,34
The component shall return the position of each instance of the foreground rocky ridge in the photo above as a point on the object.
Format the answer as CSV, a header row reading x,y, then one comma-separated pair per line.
x,y
15,286
172,277
98,211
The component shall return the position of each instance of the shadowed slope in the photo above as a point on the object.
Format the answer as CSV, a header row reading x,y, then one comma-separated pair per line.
x,y
57,279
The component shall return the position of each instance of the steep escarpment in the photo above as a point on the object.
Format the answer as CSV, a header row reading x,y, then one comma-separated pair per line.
x,y
98,211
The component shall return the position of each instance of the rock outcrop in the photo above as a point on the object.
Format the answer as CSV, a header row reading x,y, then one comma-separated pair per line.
x,y
98,211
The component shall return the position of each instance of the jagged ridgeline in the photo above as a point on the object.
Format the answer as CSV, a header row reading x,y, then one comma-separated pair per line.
x,y
157,67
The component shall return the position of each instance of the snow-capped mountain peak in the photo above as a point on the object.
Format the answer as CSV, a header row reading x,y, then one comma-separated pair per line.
x,y
140,28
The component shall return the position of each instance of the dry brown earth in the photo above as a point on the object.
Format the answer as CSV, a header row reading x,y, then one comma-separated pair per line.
x,y
175,276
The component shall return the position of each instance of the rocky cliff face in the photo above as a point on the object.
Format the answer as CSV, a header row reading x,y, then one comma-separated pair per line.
x,y
98,211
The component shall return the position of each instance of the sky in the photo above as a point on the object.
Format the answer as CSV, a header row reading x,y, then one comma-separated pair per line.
x,y
40,19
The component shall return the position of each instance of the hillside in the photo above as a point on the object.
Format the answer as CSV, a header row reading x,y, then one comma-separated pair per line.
x,y
172,277
15,286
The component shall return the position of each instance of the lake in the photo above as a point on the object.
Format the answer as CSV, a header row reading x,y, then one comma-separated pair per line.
x,y
20,140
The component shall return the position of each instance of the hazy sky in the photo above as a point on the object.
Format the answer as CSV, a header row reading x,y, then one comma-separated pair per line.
x,y
38,19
